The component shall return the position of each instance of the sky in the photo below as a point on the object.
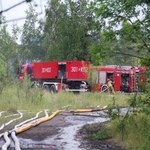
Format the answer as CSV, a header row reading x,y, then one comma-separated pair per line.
x,y
19,11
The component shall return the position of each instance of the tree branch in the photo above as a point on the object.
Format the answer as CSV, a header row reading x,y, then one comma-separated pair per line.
x,y
131,55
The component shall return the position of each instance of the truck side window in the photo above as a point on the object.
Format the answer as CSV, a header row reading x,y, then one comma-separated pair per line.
x,y
102,77
110,76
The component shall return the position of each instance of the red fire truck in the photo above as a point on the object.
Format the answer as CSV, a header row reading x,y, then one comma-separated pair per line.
x,y
125,78
57,75
74,76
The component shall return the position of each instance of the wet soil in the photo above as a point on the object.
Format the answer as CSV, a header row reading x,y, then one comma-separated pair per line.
x,y
90,142
46,129
65,132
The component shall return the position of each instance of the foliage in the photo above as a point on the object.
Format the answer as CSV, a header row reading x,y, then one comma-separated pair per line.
x,y
7,57
129,21
134,123
100,135
21,97
32,37
66,29
132,133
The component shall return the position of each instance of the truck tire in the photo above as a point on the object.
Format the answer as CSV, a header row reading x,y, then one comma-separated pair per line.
x,y
104,88
35,84
46,88
53,89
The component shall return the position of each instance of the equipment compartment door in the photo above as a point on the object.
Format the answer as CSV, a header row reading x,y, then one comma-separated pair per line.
x,y
117,81
77,70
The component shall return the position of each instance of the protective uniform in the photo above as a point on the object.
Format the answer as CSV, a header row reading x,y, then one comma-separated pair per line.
x,y
110,86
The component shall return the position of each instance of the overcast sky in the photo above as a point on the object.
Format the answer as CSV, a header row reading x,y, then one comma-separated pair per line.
x,y
19,11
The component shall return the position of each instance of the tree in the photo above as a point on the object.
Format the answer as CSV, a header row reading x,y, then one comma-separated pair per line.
x,y
67,29
7,57
129,21
32,36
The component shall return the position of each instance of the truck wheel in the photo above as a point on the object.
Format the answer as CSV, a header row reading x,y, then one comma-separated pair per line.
x,y
104,88
52,89
35,84
46,88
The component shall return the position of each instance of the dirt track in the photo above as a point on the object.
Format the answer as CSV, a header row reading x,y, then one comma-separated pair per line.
x,y
62,133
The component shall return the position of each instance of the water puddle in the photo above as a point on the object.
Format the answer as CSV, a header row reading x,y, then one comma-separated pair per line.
x,y
68,134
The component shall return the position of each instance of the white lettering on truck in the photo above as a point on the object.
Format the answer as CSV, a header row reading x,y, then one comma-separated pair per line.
x,y
79,69
46,70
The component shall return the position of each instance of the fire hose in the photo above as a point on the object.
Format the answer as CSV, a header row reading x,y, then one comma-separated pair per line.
x,y
5,146
44,119
46,112
16,141
13,133
6,124
34,122
105,89
22,123
1,113
8,141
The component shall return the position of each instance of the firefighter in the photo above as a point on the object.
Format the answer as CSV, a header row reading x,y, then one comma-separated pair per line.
x,y
110,86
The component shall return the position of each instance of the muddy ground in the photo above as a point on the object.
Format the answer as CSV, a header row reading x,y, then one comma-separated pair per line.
x,y
90,142
64,133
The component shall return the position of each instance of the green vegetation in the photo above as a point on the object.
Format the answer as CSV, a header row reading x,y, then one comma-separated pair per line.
x,y
16,97
131,130
100,135
132,133
78,30
19,97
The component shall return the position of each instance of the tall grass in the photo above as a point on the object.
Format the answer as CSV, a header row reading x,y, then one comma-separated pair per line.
x,y
132,130
136,132
18,97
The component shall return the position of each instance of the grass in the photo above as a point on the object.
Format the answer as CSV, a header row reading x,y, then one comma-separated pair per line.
x,y
100,135
136,135
15,98
132,129
6,118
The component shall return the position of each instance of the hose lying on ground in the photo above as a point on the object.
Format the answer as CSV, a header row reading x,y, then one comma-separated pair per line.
x,y
13,133
26,121
16,141
37,122
1,113
6,124
23,127
5,146
43,119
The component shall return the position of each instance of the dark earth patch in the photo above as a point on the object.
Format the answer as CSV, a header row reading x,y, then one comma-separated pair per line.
x,y
90,142
45,129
